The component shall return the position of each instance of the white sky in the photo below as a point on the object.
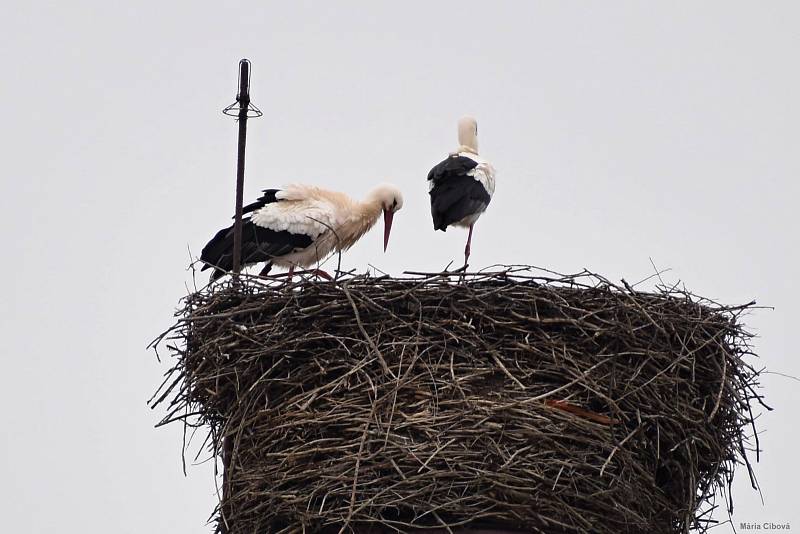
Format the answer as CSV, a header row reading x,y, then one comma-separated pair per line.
x,y
621,131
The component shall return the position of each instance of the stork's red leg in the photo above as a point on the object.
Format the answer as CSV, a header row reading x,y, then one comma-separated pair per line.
x,y
467,248
290,274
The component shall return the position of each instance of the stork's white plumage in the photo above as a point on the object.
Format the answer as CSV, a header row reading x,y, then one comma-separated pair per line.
x,y
462,185
301,225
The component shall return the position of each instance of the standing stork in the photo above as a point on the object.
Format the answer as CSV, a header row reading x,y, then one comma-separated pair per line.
x,y
300,226
462,185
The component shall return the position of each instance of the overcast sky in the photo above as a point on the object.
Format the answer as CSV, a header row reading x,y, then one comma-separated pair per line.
x,y
621,131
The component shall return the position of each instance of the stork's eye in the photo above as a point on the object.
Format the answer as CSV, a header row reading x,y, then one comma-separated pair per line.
x,y
394,204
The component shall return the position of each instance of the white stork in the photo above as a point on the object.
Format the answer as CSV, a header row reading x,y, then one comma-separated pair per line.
x,y
300,226
462,185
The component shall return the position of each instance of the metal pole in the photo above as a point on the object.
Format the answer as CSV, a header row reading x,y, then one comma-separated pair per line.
x,y
245,109
243,98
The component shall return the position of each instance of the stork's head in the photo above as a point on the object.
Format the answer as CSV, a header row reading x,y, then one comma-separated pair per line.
x,y
390,199
468,133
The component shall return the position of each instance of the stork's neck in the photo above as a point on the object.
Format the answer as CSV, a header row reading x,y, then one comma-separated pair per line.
x,y
467,136
466,148
369,210
363,216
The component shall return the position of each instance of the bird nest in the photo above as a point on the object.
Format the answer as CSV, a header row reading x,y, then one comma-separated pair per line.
x,y
516,400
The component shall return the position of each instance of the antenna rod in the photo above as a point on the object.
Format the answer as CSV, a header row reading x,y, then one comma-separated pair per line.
x,y
243,98
245,108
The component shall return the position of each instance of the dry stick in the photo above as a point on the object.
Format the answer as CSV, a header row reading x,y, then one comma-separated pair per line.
x,y
505,370
365,334
616,448
358,466
721,388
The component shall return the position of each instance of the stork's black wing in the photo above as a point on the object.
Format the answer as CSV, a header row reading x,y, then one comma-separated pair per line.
x,y
258,243
454,193
267,198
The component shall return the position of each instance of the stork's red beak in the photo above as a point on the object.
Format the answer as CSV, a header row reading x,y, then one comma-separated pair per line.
x,y
387,227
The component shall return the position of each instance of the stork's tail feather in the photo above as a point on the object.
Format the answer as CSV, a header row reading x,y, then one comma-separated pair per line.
x,y
216,274
439,222
217,253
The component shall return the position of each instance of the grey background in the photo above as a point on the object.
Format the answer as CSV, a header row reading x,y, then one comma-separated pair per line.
x,y
621,131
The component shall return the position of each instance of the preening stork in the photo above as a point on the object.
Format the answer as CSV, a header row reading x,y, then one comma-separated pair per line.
x,y
462,185
300,226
